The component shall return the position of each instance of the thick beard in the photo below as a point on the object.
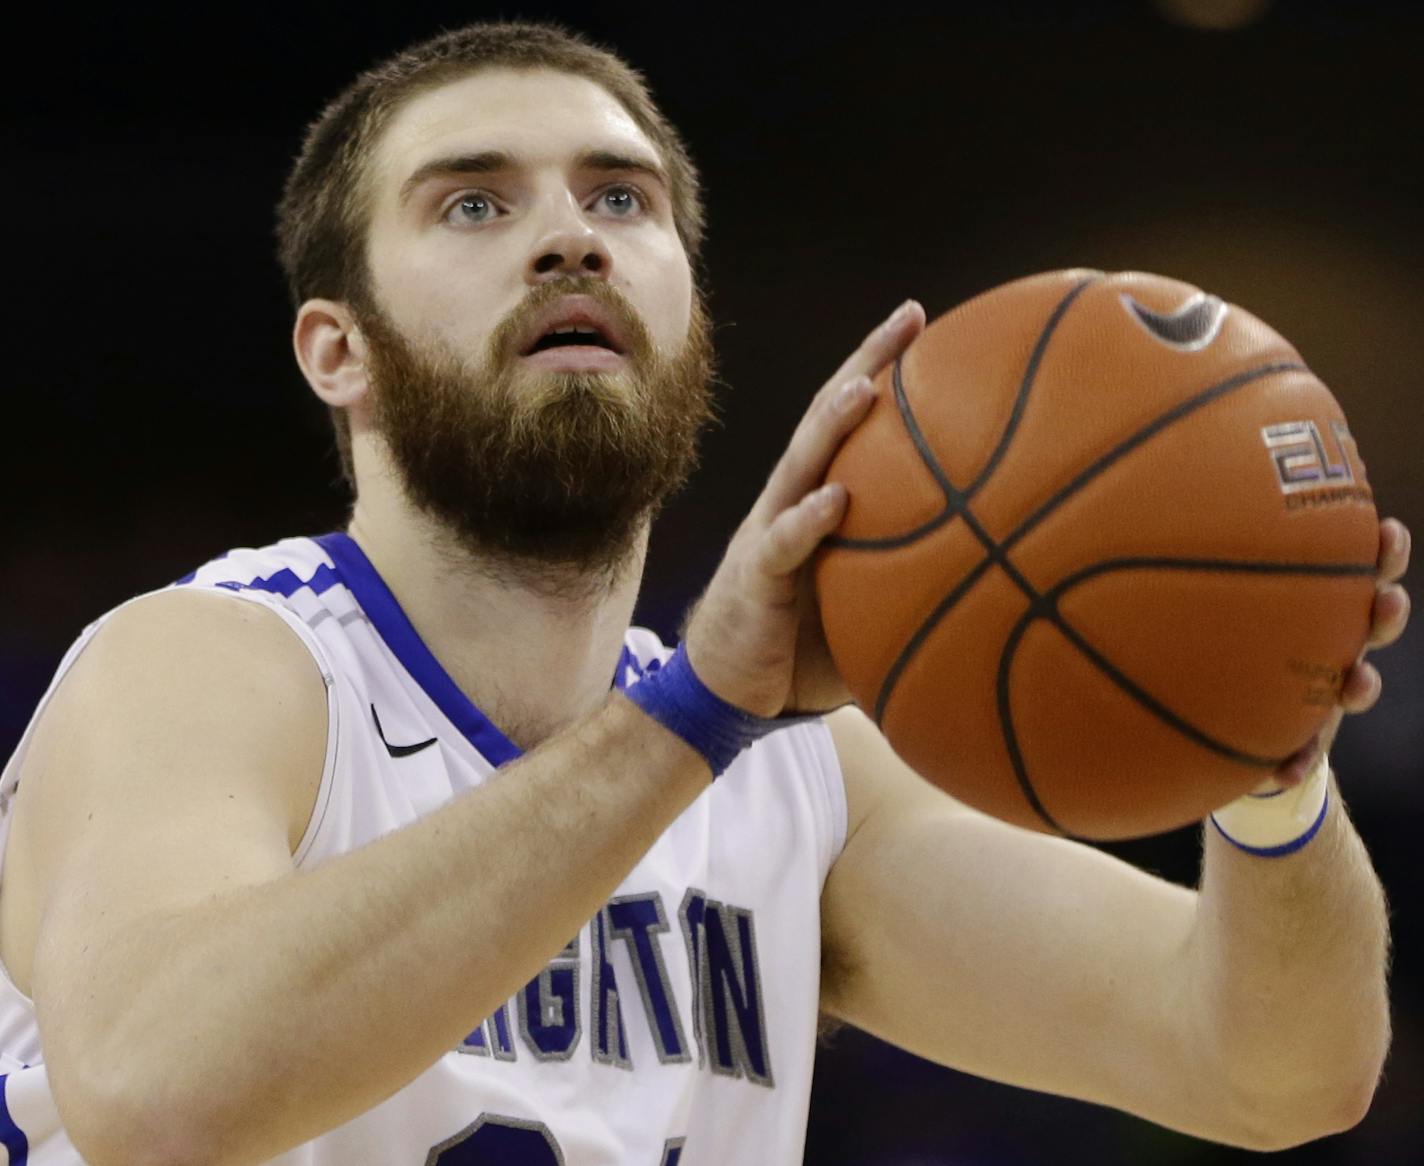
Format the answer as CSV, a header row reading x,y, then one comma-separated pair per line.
x,y
545,477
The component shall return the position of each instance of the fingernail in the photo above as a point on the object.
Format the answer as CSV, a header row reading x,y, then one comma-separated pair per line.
x,y
828,496
901,314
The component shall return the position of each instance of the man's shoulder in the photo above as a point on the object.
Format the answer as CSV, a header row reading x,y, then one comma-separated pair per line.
x,y
195,619
197,642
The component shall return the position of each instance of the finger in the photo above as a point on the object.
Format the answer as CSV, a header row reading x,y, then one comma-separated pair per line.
x,y
884,344
1361,688
832,414
826,424
1389,617
788,542
1292,771
1395,543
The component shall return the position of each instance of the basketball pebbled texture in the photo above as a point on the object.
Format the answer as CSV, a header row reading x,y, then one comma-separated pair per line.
x,y
1108,552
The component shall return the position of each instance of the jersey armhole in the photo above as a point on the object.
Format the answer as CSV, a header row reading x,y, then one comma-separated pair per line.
x,y
832,791
333,711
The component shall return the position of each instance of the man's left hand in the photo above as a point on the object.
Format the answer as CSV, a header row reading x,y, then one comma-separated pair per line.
x,y
1361,685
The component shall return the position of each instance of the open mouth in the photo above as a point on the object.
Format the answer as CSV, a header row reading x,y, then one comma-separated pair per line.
x,y
571,336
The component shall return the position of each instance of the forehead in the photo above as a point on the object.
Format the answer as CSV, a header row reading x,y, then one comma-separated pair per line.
x,y
537,115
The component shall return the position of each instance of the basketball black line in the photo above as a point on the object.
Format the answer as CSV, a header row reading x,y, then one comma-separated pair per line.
x,y
1150,702
893,541
1006,722
958,506
1047,608
994,556
1030,373
1148,431
952,497
1174,563
907,653
958,502
1151,429
955,498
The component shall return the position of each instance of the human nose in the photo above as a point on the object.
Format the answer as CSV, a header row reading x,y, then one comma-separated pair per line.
x,y
568,246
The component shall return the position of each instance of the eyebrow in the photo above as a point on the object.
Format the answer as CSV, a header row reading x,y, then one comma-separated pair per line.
x,y
494,161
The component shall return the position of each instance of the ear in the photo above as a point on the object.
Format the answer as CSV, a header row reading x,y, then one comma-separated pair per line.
x,y
331,352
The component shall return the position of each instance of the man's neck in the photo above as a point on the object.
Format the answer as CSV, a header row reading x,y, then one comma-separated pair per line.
x,y
534,652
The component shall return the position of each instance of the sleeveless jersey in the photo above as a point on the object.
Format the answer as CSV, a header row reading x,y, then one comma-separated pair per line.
x,y
677,1028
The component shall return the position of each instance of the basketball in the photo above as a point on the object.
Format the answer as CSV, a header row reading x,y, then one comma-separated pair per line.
x,y
1108,551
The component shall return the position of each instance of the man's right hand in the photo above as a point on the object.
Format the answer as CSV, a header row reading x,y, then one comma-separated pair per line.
x,y
742,639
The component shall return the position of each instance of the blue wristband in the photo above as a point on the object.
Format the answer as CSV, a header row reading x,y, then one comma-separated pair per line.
x,y
676,698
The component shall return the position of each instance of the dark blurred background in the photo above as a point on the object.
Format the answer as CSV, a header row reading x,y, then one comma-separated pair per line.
x,y
1269,152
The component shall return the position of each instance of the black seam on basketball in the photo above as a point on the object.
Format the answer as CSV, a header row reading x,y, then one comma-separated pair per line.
x,y
1249,566
994,556
952,496
893,541
1150,702
957,502
1006,719
907,653
955,498
1026,383
1051,612
998,551
1148,431
1046,607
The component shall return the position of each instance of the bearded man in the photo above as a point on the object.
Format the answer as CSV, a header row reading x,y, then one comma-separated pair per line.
x,y
399,845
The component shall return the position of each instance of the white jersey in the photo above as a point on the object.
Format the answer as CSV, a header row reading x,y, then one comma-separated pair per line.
x,y
677,1028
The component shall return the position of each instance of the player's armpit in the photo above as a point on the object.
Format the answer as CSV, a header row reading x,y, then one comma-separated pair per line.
x,y
178,760
1016,956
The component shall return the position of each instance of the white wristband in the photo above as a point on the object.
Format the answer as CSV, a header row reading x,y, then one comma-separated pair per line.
x,y
1275,824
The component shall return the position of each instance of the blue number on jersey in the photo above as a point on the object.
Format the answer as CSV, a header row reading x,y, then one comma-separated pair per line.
x,y
508,1141
499,1141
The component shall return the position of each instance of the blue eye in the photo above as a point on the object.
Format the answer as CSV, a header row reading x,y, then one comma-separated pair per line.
x,y
474,208
622,201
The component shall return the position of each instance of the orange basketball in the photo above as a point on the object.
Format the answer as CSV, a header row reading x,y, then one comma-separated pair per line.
x,y
1108,551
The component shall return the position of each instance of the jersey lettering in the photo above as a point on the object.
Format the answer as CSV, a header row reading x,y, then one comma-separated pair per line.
x,y
548,1008
638,920
728,1019
610,1040
511,1141
498,1141
729,1025
499,1041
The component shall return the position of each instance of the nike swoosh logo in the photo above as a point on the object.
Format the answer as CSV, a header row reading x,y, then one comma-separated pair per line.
x,y
1190,328
398,750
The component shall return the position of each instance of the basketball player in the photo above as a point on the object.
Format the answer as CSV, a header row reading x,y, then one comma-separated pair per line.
x,y
398,846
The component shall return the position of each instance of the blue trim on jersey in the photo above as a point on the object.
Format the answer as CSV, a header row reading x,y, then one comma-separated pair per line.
x,y
12,1137
286,583
626,660
354,569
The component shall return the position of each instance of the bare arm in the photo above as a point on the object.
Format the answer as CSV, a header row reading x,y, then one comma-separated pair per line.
x,y
1252,1013
1290,960
186,979
198,998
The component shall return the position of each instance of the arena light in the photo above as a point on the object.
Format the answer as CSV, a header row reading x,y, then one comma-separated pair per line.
x,y
1217,15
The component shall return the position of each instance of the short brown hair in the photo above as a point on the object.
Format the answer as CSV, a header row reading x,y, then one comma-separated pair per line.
x,y
323,214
